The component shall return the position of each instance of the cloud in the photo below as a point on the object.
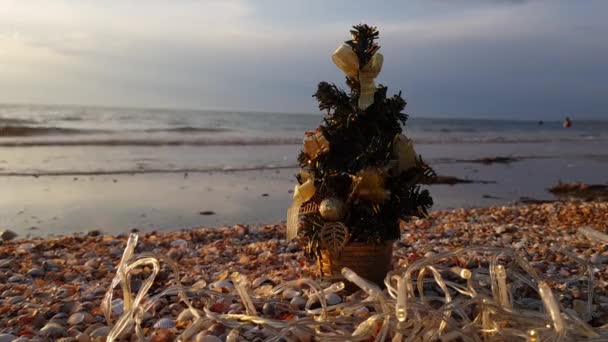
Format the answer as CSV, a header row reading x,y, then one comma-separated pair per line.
x,y
477,56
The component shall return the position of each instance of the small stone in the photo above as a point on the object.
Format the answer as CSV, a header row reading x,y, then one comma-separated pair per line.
x,y
92,263
332,299
216,329
265,255
25,248
244,259
564,272
221,286
301,336
164,323
15,279
100,332
76,318
7,235
53,329
16,299
35,273
429,254
298,302
269,309
362,312
205,337
580,306
259,281
500,229
290,293
179,243
599,259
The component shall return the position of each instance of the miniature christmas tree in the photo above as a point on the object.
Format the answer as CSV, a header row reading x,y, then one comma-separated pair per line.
x,y
359,174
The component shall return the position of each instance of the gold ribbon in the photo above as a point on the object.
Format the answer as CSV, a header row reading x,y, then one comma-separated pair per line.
x,y
346,59
301,194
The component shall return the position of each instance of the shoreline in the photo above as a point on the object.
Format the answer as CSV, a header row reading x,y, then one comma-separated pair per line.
x,y
58,275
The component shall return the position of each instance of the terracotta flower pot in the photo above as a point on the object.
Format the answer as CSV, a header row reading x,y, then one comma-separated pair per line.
x,y
371,262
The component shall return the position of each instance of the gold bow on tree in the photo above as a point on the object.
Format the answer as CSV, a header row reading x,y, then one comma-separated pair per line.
x,y
346,59
302,193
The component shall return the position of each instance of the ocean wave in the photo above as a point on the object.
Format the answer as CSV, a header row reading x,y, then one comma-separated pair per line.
x,y
26,136
186,129
151,142
23,128
27,131
145,171
15,121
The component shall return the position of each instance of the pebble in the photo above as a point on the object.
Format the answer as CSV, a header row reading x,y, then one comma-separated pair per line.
x,y
332,299
205,337
77,270
164,323
100,332
36,273
599,259
269,309
179,243
53,330
290,293
298,302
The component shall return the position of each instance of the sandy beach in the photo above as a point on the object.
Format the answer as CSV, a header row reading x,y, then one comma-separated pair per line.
x,y
53,287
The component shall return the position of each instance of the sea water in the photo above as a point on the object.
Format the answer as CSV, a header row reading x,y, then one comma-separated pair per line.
x,y
68,168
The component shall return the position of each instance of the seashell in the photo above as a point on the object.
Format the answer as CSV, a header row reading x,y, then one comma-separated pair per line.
x,y
179,243
15,279
205,337
117,306
290,293
102,331
92,263
298,301
164,323
199,284
52,329
261,281
222,286
61,316
216,329
82,337
84,306
332,299
269,309
188,315
16,299
36,272
89,330
80,317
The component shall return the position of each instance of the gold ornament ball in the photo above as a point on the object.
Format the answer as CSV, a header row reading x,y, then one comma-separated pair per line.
x,y
332,209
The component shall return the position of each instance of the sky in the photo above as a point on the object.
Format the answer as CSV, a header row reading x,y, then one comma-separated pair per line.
x,y
537,59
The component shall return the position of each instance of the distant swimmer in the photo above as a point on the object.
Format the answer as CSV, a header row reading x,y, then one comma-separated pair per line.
x,y
567,123
541,122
